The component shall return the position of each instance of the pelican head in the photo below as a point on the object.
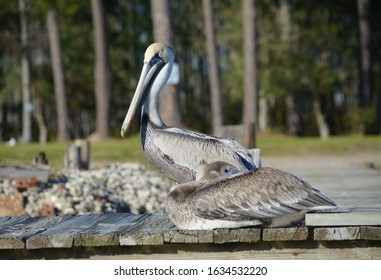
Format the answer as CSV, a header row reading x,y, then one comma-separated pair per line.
x,y
215,170
157,67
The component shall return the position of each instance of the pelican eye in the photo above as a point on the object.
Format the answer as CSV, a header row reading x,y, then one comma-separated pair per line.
x,y
155,59
227,170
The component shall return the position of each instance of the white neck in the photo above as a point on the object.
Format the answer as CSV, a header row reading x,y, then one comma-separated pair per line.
x,y
151,106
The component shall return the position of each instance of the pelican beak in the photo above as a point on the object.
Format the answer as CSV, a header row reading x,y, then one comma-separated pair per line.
x,y
149,72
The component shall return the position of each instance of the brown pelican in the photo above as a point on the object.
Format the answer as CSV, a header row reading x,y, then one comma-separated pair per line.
x,y
215,170
175,151
264,196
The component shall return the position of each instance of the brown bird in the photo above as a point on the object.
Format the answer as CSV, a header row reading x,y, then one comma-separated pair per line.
x,y
224,197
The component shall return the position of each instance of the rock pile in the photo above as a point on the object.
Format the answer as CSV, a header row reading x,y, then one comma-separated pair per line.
x,y
117,187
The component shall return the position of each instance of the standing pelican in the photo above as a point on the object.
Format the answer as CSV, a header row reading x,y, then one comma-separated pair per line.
x,y
175,151
265,196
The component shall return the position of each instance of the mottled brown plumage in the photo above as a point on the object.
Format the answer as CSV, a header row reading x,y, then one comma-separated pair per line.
x,y
265,196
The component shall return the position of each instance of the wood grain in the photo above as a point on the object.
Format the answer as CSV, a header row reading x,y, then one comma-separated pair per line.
x,y
285,234
354,218
337,233
188,236
155,232
225,235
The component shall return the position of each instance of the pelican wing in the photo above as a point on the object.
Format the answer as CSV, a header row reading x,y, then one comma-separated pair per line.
x,y
159,156
187,148
261,194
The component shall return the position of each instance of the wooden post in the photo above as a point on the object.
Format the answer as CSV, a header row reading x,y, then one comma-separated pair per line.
x,y
249,135
72,157
77,155
242,133
40,158
84,147
256,155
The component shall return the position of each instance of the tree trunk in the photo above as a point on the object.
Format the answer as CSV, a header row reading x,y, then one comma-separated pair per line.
x,y
215,88
364,60
292,117
27,105
102,72
58,75
250,72
378,106
264,96
39,116
1,121
163,32
263,113
320,120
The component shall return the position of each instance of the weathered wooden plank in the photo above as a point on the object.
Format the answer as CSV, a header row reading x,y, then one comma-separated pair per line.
x,y
13,171
106,232
96,240
148,230
359,218
156,238
13,221
236,235
62,234
304,250
8,240
15,231
370,233
188,236
114,223
358,249
12,242
337,233
359,208
3,219
21,226
285,234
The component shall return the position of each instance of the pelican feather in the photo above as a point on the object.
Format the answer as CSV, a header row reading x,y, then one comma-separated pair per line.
x,y
265,196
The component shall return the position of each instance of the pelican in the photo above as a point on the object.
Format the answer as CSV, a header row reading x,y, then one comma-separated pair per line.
x,y
211,171
175,151
224,197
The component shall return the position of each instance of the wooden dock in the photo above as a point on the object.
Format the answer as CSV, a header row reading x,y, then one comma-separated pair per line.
x,y
153,236
17,171
354,234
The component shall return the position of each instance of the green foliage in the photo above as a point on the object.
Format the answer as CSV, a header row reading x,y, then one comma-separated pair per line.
x,y
120,150
123,150
318,62
276,145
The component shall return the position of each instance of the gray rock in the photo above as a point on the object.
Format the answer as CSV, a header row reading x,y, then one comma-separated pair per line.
x,y
116,187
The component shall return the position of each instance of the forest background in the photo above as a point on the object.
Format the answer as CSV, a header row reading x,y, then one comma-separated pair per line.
x,y
68,69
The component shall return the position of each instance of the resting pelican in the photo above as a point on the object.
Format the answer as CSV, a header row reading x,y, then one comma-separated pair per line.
x,y
222,199
175,151
211,171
